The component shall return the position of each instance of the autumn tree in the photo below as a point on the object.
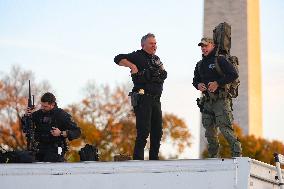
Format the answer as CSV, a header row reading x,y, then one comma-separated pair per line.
x,y
255,148
13,101
107,121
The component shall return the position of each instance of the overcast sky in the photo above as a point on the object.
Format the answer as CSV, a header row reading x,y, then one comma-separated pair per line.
x,y
71,42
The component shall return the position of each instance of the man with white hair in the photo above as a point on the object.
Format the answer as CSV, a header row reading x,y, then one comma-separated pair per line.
x,y
148,75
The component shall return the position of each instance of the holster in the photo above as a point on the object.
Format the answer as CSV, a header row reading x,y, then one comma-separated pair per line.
x,y
200,104
135,97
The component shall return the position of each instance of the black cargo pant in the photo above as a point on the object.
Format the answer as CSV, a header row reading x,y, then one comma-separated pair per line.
x,y
148,121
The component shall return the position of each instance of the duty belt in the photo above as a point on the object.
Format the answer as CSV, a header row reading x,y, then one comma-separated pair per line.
x,y
153,96
142,92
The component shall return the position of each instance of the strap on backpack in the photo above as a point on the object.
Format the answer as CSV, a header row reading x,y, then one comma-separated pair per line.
x,y
217,66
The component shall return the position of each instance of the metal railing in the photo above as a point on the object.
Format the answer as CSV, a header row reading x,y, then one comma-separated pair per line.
x,y
279,160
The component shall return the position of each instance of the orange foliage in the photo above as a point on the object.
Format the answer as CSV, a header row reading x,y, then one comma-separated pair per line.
x,y
13,101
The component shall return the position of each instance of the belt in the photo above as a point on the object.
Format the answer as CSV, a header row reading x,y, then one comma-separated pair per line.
x,y
214,96
142,92
156,97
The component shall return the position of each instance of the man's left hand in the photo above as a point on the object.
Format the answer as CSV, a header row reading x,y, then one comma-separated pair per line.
x,y
212,86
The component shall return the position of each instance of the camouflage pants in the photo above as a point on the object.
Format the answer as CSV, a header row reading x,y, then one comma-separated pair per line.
x,y
218,114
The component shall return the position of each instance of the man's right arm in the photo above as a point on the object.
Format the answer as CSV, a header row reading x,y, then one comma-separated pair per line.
x,y
197,80
129,60
126,63
126,60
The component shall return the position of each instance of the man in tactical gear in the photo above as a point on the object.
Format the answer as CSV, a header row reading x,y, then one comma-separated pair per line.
x,y
52,126
215,103
148,75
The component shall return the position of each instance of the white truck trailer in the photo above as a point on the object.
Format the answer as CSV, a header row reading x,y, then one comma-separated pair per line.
x,y
236,173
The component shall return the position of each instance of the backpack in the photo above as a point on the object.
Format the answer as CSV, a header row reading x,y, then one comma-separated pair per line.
x,y
89,153
222,40
231,88
17,157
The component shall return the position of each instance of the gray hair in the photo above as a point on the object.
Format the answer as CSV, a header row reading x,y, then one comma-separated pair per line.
x,y
145,37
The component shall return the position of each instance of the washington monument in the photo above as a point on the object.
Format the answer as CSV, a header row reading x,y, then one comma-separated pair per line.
x,y
243,16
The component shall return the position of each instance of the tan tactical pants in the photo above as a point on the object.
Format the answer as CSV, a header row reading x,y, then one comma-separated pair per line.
x,y
218,113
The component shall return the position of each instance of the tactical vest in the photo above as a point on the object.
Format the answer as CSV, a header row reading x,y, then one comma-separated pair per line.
x,y
43,135
231,88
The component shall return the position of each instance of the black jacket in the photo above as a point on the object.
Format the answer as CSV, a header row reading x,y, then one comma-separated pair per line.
x,y
149,77
207,72
44,121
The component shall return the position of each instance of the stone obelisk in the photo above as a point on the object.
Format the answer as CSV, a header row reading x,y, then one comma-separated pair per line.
x,y
243,16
